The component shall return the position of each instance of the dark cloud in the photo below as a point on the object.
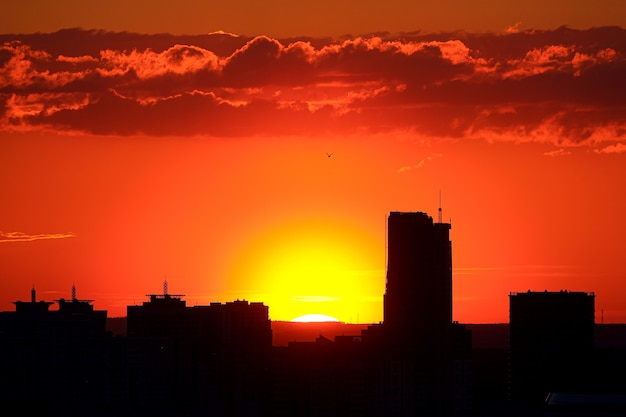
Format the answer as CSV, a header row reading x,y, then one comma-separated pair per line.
x,y
77,42
564,86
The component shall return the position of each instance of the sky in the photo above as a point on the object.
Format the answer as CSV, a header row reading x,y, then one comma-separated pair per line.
x,y
248,151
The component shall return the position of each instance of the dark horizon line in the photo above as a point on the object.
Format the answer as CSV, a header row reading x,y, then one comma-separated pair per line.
x,y
374,323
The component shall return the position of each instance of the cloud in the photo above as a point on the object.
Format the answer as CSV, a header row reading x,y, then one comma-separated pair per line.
x,y
420,164
148,64
513,28
25,237
564,87
617,148
558,152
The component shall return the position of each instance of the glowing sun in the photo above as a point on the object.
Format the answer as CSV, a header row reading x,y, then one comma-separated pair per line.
x,y
317,318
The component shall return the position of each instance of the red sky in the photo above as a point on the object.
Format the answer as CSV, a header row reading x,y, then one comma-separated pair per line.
x,y
147,146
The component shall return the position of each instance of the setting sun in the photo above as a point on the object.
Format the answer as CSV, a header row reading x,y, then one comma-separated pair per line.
x,y
315,318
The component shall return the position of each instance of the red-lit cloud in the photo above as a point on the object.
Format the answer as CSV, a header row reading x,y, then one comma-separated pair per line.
x,y
616,148
565,87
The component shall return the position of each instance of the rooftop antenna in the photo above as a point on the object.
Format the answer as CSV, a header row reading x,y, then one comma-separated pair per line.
x,y
440,213
73,292
165,287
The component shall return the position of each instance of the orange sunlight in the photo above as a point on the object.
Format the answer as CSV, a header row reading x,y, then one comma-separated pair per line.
x,y
313,268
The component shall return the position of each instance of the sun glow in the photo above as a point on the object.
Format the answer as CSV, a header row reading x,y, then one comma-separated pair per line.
x,y
313,266
315,318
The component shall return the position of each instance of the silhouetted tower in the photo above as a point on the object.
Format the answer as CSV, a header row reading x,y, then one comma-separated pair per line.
x,y
423,347
419,273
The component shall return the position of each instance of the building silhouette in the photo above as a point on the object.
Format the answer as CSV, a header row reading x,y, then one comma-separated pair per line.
x,y
53,359
323,378
551,344
426,357
210,358
418,293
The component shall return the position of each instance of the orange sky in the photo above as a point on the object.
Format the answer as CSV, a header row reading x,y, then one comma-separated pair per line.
x,y
127,159
283,18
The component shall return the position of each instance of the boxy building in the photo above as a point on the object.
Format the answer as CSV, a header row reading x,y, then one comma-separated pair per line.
x,y
551,344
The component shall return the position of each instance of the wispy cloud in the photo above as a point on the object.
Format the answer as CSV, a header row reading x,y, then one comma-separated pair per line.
x,y
529,271
558,152
420,164
564,87
25,237
617,148
313,298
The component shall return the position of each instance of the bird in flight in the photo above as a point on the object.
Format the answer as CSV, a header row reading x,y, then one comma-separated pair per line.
x,y
329,154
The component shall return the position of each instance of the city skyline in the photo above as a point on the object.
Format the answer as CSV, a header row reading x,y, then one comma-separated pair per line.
x,y
254,152
166,357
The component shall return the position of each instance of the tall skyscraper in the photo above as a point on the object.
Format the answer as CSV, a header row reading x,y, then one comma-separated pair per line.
x,y
426,357
419,273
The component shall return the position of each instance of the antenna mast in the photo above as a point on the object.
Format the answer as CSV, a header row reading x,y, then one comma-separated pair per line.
x,y
440,214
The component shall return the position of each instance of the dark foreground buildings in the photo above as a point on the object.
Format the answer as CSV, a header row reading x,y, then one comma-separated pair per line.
x,y
53,359
175,360
218,359
558,365
551,344
211,359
